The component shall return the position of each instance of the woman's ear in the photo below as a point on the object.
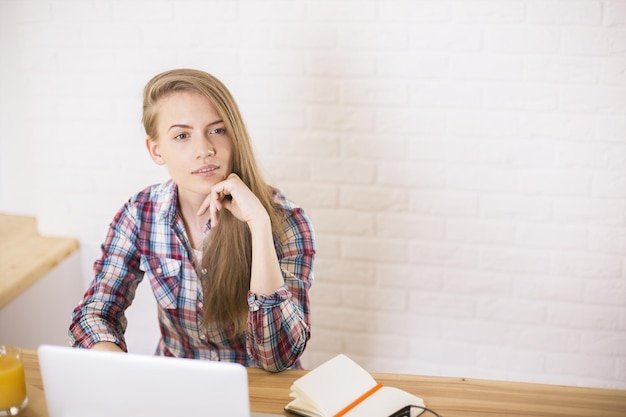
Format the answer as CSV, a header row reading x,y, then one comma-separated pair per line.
x,y
153,150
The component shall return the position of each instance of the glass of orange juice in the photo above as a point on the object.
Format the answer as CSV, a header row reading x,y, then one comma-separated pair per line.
x,y
13,397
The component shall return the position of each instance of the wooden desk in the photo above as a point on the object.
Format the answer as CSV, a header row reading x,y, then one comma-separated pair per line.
x,y
25,256
450,397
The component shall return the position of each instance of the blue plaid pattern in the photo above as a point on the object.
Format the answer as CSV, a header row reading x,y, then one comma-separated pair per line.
x,y
147,238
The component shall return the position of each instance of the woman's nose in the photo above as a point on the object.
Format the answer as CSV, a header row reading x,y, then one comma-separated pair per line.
x,y
207,152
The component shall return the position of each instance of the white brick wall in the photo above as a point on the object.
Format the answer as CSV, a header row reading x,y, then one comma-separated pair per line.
x,y
463,161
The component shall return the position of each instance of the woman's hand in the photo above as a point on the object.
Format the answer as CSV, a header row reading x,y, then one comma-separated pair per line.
x,y
107,346
233,195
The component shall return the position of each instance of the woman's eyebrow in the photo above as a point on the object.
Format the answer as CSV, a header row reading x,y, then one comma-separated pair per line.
x,y
217,122
184,126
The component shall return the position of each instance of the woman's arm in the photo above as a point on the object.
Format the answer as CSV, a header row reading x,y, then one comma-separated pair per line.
x,y
279,323
281,274
108,346
99,317
266,276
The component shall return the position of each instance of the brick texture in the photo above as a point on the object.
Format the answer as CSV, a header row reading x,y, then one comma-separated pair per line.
x,y
463,161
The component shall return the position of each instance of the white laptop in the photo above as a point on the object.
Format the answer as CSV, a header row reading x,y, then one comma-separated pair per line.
x,y
81,382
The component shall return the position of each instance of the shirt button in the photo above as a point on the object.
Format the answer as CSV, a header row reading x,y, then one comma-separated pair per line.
x,y
159,270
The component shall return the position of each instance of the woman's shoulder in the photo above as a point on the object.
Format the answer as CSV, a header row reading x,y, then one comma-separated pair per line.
x,y
156,199
155,192
292,213
297,230
281,201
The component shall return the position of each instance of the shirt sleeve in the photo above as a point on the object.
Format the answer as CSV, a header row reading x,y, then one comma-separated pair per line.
x,y
99,317
279,324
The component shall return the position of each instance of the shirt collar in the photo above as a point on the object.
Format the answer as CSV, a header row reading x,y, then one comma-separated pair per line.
x,y
166,201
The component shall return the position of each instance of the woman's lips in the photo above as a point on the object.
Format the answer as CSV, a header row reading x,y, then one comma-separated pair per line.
x,y
205,170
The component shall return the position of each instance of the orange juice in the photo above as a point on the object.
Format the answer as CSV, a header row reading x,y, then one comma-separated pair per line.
x,y
12,383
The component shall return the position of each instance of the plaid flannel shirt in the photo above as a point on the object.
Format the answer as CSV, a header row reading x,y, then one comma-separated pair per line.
x,y
147,238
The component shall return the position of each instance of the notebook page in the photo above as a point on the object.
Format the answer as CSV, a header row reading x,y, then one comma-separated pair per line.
x,y
332,386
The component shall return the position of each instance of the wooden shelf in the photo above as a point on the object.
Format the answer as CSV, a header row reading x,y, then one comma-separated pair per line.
x,y
26,256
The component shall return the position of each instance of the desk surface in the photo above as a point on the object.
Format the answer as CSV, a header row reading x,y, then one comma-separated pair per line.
x,y
450,397
26,256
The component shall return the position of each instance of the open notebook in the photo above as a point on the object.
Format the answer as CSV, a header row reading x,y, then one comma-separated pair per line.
x,y
80,382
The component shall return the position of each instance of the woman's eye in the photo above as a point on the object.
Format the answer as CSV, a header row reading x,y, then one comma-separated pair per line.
x,y
218,131
181,136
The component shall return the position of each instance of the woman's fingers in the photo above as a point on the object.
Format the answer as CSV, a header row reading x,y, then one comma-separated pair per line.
x,y
215,205
233,195
206,204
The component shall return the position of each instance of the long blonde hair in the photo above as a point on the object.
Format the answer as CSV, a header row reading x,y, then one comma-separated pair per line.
x,y
228,254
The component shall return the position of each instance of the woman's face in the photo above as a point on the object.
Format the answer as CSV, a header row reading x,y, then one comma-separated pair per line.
x,y
192,142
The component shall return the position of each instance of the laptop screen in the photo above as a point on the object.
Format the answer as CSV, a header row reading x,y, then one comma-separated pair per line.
x,y
81,382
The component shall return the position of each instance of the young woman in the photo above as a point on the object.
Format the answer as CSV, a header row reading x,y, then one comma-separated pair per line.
x,y
229,258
